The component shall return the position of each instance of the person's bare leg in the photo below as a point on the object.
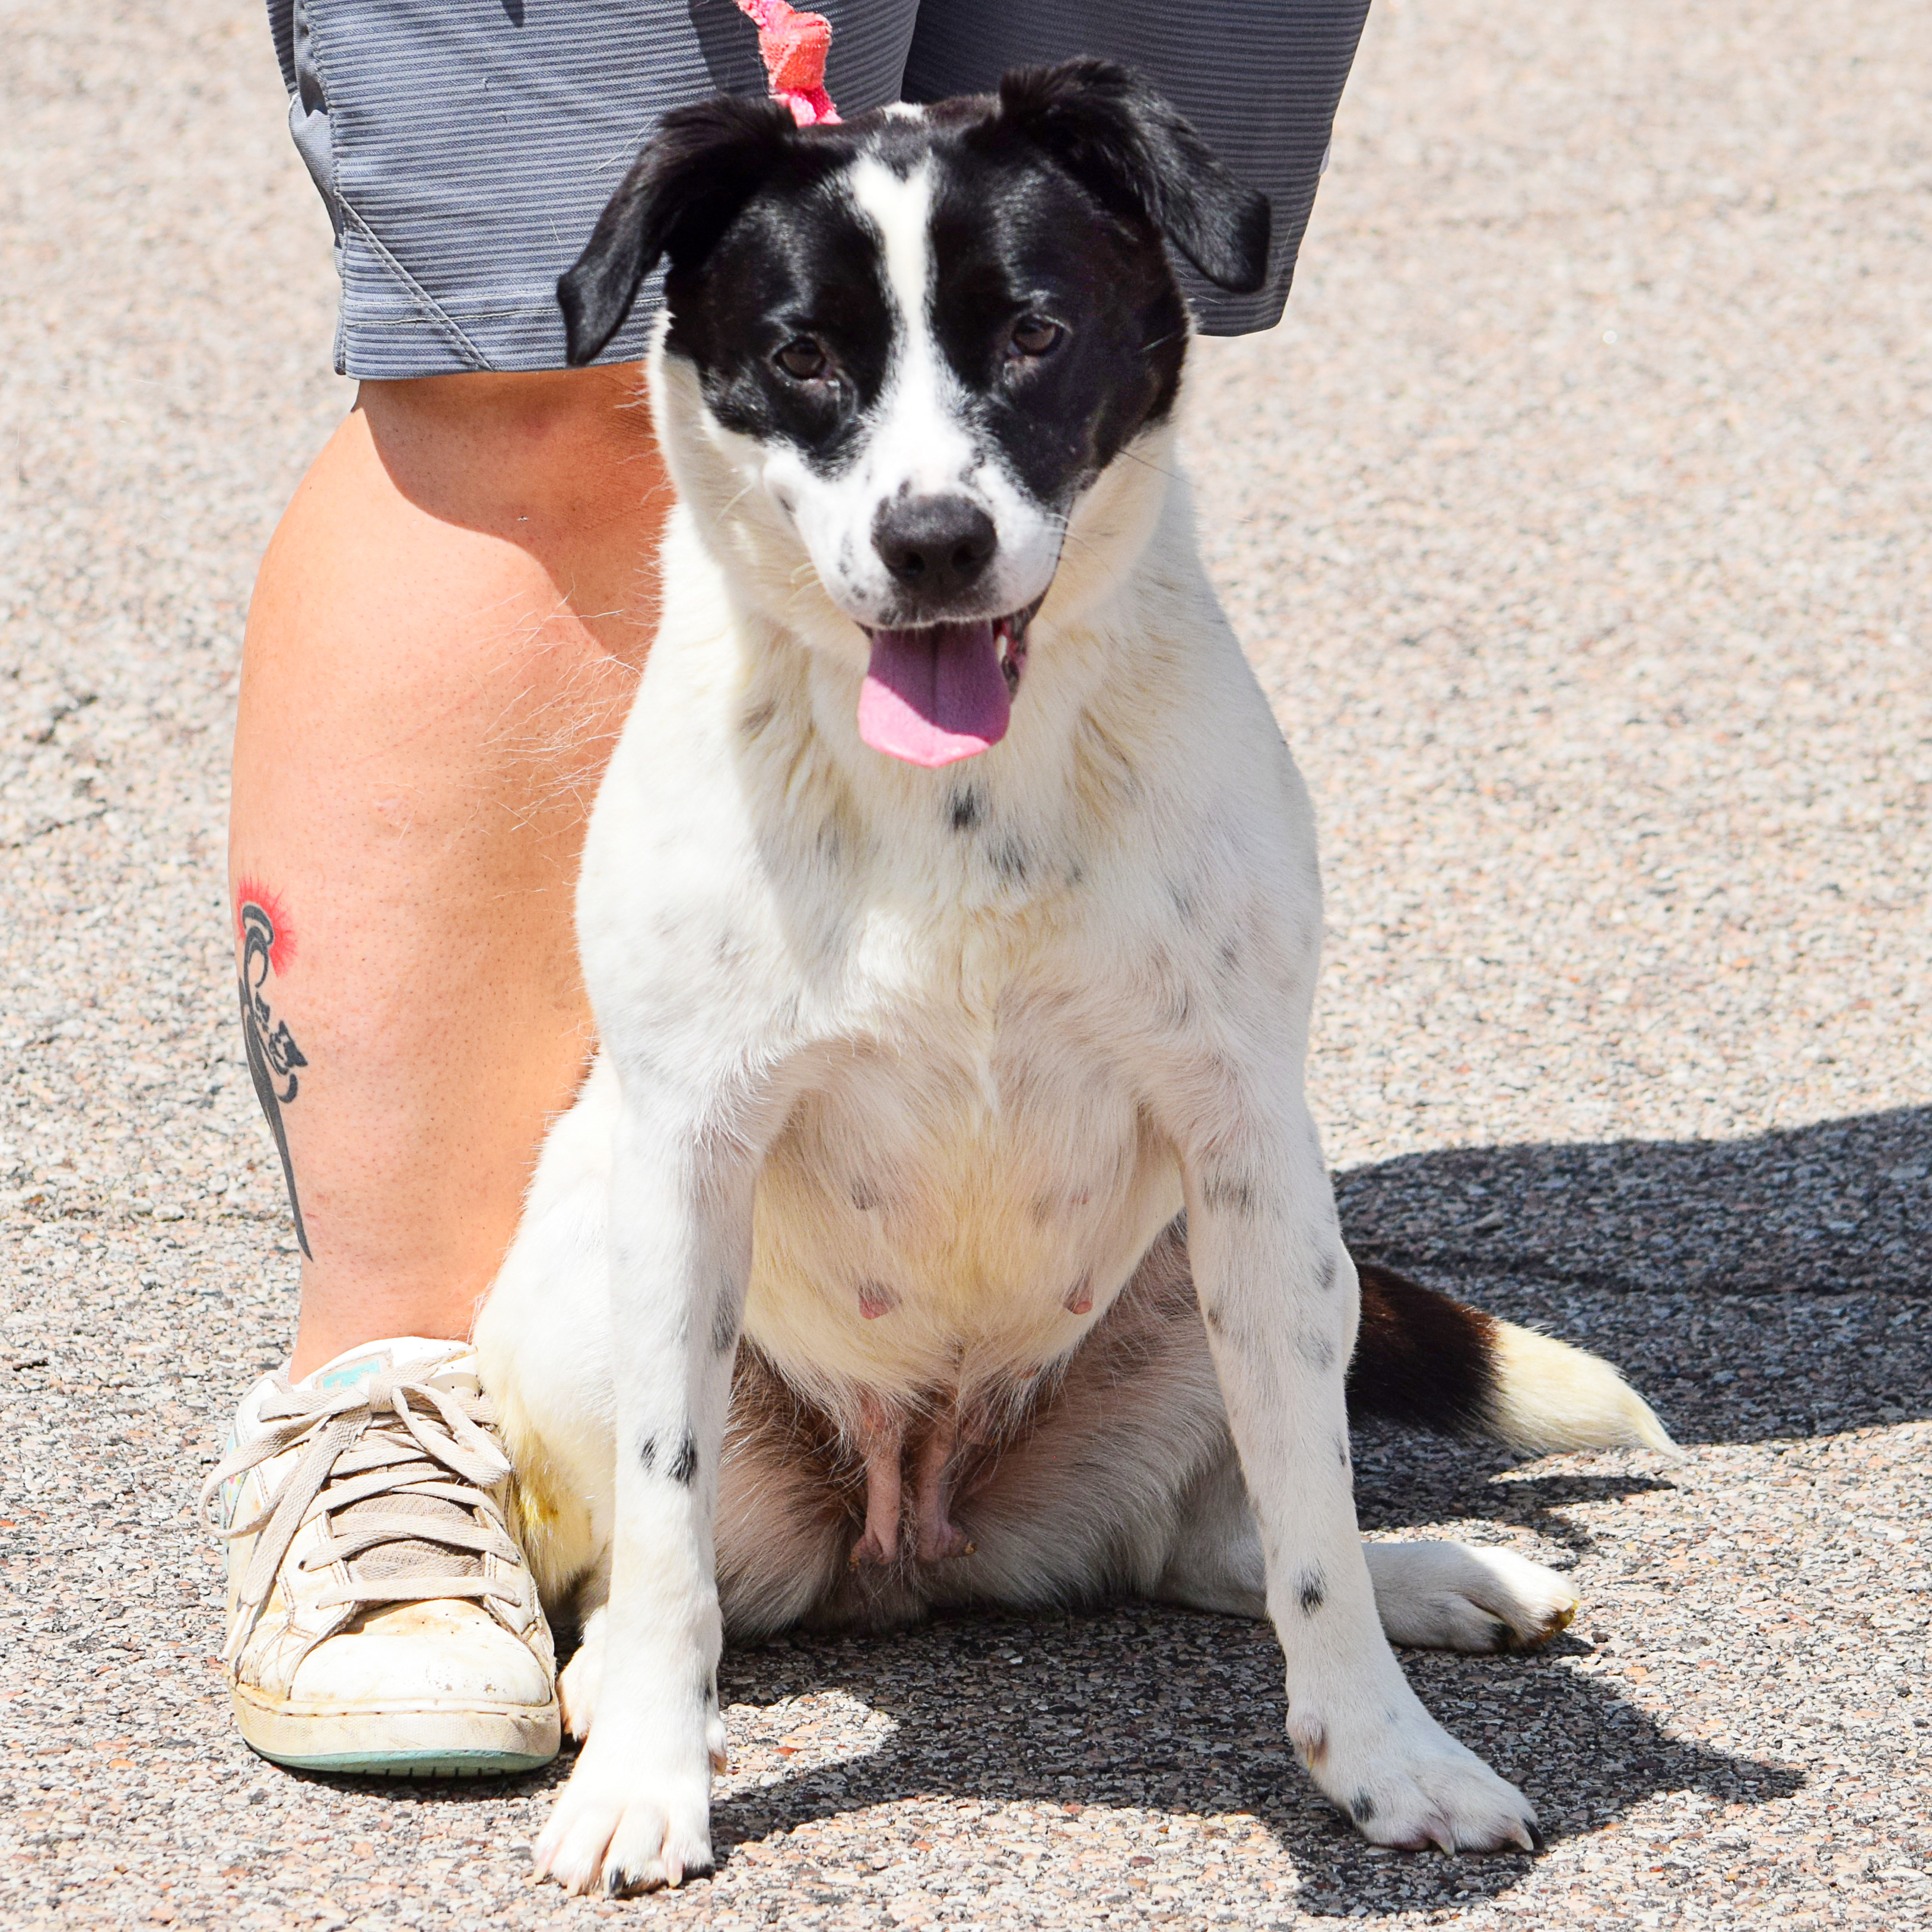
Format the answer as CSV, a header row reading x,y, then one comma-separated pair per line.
x,y
444,639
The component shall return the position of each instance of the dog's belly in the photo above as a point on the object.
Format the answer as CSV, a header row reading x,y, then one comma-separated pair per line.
x,y
928,1228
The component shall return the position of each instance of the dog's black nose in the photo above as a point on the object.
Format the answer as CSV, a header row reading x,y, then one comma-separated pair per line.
x,y
935,546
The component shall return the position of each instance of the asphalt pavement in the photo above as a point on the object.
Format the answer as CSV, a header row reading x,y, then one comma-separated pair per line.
x,y
1577,520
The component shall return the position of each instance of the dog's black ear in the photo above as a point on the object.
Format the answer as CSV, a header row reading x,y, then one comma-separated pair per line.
x,y
699,169
1123,142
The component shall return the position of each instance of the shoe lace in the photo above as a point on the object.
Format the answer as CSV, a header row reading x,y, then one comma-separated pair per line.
x,y
401,1466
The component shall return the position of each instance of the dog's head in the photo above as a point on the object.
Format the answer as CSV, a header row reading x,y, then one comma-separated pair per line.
x,y
919,338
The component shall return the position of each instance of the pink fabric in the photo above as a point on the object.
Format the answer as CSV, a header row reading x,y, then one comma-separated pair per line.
x,y
794,46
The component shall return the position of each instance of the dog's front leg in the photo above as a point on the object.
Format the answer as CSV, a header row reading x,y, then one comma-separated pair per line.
x,y
1280,1297
636,1812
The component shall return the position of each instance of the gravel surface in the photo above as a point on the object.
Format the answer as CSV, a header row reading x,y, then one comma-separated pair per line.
x,y
1577,518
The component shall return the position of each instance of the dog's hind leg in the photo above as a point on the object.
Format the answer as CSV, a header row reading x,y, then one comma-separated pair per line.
x,y
580,1680
543,1351
1429,1596
1215,1561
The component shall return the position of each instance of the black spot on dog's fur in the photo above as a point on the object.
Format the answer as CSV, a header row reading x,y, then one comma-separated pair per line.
x,y
1313,1593
965,809
1232,1193
1363,1809
683,1465
725,1320
1009,861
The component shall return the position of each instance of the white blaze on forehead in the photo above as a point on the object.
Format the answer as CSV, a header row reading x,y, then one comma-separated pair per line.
x,y
900,209
919,444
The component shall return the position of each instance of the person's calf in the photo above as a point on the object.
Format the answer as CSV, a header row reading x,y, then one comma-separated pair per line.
x,y
444,642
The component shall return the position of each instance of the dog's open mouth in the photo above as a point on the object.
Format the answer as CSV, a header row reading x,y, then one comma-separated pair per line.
x,y
943,691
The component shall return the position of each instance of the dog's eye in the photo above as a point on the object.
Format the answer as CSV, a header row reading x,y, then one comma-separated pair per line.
x,y
1034,335
802,359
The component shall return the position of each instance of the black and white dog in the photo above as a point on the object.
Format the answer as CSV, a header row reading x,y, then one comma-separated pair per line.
x,y
944,1223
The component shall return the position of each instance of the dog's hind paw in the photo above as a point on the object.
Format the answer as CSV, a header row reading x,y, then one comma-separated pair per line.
x,y
1448,1596
578,1682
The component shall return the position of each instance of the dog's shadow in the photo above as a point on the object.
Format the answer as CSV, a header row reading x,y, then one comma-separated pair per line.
x,y
1147,1709
1144,1709
1768,1287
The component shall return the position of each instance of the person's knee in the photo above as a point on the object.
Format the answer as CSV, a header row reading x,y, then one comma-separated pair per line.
x,y
508,402
525,442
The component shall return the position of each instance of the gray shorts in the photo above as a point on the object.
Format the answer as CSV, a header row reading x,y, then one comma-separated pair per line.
x,y
465,147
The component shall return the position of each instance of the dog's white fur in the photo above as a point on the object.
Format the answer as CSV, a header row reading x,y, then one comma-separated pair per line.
x,y
859,1056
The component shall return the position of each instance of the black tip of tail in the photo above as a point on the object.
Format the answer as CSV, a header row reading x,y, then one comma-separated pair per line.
x,y
1420,1358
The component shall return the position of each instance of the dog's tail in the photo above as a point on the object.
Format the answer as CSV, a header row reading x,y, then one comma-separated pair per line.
x,y
1422,1359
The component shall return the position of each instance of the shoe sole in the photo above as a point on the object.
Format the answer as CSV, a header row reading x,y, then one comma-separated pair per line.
x,y
399,1741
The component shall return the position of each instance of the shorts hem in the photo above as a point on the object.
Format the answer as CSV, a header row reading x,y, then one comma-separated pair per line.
x,y
506,335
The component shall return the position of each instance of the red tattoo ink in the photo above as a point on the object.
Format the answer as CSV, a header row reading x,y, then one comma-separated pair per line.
x,y
250,891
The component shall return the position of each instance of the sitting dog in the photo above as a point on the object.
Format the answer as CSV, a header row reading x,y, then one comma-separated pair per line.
x,y
943,1222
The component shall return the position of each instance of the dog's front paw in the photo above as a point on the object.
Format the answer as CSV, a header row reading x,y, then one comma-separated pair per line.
x,y
1448,1596
1406,1783
630,1820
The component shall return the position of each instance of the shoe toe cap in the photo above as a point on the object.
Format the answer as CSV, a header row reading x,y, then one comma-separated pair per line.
x,y
441,1652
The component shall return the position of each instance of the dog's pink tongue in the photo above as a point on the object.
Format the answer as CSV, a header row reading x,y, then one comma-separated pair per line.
x,y
934,695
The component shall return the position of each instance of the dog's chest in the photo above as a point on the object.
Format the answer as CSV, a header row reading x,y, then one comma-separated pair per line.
x,y
958,1199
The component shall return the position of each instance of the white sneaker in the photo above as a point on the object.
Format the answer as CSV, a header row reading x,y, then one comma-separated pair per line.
x,y
381,1618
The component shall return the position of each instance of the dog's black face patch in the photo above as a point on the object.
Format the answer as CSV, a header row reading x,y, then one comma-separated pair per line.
x,y
1063,323
1060,323
799,266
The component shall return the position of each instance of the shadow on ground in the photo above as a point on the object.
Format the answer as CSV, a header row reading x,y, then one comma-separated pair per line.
x,y
1149,1709
1842,1204
1146,1709
1779,1285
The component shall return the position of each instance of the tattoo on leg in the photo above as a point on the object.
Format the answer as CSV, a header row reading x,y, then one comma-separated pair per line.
x,y
273,1055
